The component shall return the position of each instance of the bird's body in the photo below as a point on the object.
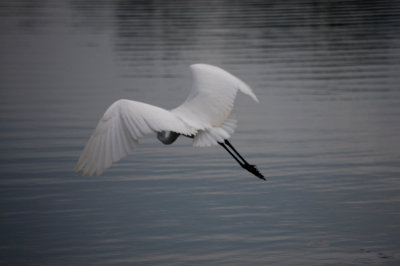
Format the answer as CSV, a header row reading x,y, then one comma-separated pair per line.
x,y
204,116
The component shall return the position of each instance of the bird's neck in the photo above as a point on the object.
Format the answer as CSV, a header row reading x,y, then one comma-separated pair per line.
x,y
167,137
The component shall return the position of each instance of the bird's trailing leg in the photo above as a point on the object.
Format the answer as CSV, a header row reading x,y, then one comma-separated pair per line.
x,y
240,160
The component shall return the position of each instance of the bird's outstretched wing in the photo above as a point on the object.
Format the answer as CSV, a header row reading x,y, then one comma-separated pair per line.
x,y
210,102
119,129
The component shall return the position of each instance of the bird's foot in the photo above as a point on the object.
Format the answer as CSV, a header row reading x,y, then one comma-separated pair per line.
x,y
253,169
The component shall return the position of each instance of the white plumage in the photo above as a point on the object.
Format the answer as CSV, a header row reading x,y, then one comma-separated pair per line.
x,y
205,115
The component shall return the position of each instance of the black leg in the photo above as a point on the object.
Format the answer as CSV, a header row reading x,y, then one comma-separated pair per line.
x,y
251,168
237,153
234,157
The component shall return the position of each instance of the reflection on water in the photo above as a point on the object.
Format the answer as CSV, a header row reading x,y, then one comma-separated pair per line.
x,y
325,133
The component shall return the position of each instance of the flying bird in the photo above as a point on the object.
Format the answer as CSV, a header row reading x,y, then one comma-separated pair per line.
x,y
205,116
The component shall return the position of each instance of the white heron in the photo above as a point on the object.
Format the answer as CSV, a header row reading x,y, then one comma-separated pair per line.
x,y
204,116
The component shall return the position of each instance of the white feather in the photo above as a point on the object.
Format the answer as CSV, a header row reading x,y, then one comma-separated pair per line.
x,y
212,136
119,130
210,102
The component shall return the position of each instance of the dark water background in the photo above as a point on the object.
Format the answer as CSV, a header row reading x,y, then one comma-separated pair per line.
x,y
326,133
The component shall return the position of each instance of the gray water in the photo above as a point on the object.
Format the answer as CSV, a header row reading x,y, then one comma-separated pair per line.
x,y
326,133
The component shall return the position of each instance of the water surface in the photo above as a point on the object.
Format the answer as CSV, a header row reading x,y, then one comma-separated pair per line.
x,y
325,133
